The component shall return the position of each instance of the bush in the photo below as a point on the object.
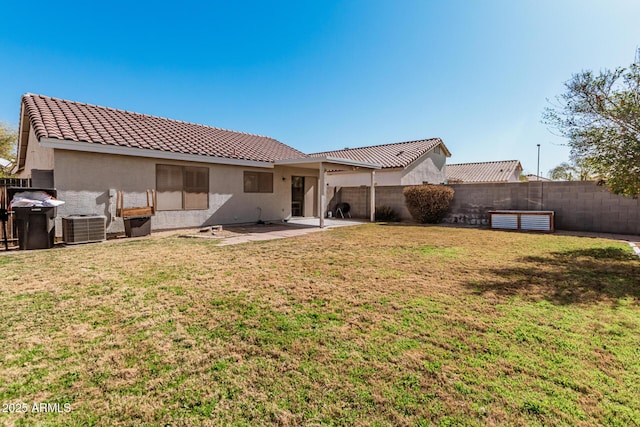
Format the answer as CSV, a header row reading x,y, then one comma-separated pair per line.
x,y
386,213
428,204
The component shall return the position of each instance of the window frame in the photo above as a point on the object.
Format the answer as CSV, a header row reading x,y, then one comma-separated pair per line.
x,y
187,187
263,182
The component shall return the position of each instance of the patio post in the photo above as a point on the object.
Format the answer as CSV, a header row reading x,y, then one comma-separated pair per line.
x,y
373,196
322,194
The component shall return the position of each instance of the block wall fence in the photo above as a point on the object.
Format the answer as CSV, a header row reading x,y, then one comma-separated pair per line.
x,y
578,205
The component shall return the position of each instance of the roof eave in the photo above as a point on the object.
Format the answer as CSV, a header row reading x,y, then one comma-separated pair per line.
x,y
447,153
23,139
327,159
62,144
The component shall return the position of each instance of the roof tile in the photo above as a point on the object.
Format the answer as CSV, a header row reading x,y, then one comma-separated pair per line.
x,y
397,155
73,121
499,171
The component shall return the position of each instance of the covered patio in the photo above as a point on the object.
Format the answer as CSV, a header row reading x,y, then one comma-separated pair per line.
x,y
326,164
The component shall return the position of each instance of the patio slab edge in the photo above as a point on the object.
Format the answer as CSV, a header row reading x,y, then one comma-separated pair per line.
x,y
635,248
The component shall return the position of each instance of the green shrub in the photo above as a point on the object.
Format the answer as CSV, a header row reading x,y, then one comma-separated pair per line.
x,y
386,213
428,204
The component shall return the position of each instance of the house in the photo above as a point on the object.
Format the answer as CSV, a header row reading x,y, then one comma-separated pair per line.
x,y
484,172
202,175
403,163
533,177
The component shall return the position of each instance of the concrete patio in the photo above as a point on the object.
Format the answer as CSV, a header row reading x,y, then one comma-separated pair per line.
x,y
236,234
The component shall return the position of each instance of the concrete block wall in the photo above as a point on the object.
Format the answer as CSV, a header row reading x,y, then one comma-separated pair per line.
x,y
471,202
393,197
578,205
358,199
586,206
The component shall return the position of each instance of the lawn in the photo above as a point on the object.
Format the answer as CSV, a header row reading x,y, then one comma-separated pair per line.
x,y
369,325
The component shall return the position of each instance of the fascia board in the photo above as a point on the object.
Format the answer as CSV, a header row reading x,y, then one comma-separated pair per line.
x,y
141,152
341,161
21,149
334,160
446,150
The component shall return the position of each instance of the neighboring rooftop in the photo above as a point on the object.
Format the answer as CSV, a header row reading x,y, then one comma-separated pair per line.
x,y
534,177
73,121
499,171
398,155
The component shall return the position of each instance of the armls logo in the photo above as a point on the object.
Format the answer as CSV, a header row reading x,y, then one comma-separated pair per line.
x,y
51,407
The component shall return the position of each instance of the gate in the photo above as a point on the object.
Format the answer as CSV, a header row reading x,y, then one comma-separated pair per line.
x,y
8,231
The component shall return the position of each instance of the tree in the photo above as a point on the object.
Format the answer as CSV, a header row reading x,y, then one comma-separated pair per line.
x,y
600,115
563,172
8,144
574,171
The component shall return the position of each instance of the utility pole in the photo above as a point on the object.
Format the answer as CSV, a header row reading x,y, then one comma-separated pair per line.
x,y
538,171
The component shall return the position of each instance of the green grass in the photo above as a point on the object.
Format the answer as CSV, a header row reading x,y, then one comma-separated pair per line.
x,y
371,325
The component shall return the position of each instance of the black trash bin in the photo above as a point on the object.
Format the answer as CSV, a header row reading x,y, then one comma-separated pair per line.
x,y
35,225
137,226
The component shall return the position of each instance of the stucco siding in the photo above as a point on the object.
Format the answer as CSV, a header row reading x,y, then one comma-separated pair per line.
x,y
310,196
430,168
87,182
37,157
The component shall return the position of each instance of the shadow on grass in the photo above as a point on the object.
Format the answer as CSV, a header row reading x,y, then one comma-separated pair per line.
x,y
569,277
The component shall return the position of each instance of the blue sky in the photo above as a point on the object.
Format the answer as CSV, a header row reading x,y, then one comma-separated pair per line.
x,y
324,75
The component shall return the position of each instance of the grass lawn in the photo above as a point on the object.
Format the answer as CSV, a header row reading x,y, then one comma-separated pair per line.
x,y
369,325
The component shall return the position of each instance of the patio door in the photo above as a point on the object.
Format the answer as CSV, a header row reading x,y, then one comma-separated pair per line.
x,y
297,196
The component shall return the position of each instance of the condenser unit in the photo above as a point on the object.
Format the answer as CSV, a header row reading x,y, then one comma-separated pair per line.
x,y
84,229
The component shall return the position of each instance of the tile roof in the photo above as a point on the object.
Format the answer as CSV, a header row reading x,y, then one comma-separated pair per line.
x,y
534,177
398,155
500,171
74,121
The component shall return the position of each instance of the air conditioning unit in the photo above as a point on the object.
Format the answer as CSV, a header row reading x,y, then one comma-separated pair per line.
x,y
84,229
